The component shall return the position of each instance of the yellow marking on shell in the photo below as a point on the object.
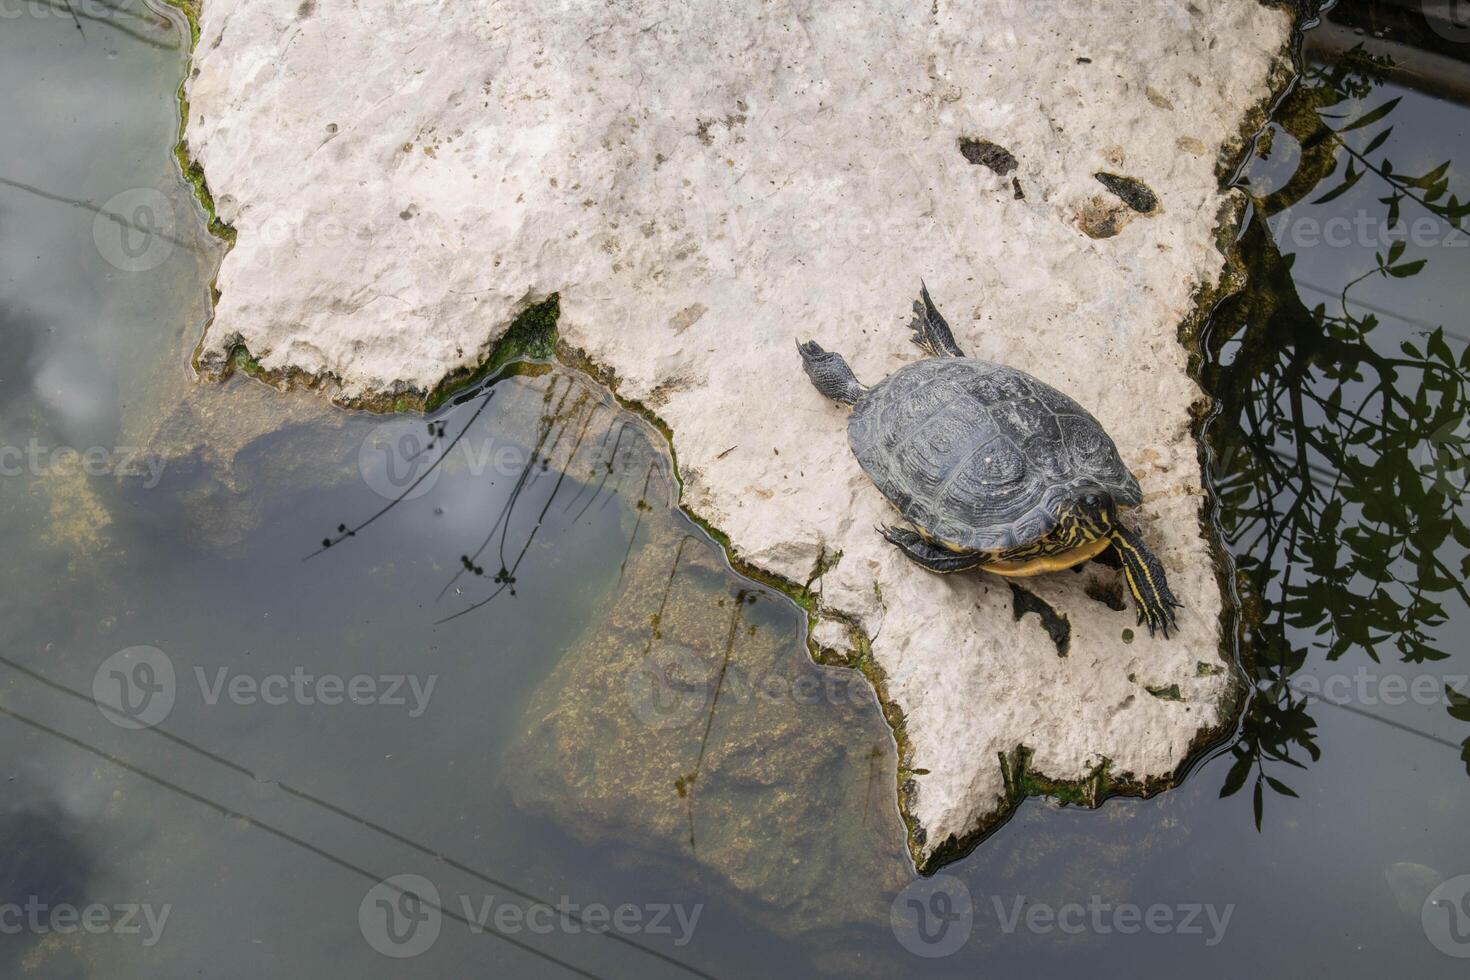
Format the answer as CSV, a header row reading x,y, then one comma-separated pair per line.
x,y
1048,563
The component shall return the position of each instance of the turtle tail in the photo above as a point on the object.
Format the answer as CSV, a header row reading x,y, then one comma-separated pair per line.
x,y
830,373
1145,577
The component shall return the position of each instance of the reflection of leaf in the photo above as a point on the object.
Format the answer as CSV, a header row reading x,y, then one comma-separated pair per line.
x,y
1378,141
1459,704
1235,778
1349,179
1372,117
1334,500
1430,179
1280,787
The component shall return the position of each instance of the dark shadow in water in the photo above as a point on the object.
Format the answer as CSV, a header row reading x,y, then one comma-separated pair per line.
x,y
572,409
43,860
45,866
1339,457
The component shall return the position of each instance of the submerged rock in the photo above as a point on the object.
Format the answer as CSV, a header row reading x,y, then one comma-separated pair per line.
x,y
705,182
689,728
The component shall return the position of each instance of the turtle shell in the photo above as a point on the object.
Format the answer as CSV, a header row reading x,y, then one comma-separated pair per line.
x,y
980,456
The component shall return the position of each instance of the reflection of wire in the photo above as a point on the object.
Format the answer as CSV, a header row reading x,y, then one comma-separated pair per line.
x,y
90,206
1345,706
1381,309
329,807
225,811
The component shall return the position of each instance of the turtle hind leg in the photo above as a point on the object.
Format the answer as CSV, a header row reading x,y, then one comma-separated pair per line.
x,y
928,555
1145,577
930,331
830,373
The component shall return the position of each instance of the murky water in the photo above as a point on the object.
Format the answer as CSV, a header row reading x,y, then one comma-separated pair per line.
x,y
520,700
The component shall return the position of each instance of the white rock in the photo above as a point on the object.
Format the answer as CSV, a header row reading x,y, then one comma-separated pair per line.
x,y
705,182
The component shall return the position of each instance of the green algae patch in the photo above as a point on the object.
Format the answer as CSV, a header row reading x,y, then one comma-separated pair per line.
x,y
190,168
531,336
527,344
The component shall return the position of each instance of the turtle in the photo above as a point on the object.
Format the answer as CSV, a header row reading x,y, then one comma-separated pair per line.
x,y
993,469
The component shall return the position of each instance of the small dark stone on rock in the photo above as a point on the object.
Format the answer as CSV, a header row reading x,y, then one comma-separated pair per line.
x,y
1134,193
1016,185
987,154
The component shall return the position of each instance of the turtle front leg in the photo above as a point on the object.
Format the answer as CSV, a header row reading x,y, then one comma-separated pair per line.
x,y
929,555
1145,577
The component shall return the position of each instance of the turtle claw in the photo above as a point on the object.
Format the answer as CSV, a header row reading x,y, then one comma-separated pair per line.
x,y
1160,618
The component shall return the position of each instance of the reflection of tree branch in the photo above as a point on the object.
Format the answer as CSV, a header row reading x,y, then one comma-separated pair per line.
x,y
345,532
1401,186
687,782
553,427
1322,504
640,506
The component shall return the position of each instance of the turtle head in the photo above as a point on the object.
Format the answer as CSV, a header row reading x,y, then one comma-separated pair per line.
x,y
1089,513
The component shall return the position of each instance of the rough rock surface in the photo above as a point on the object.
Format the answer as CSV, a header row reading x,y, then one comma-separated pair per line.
x,y
705,182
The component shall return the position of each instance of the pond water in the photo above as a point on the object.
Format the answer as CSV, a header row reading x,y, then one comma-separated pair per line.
x,y
520,717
